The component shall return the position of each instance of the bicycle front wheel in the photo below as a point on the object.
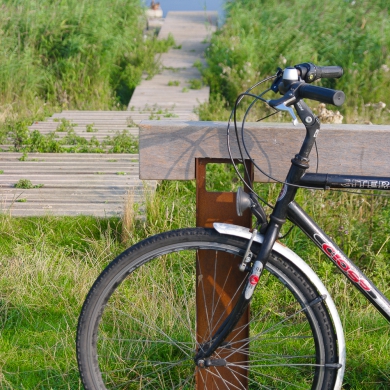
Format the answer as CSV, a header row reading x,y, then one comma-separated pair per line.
x,y
138,326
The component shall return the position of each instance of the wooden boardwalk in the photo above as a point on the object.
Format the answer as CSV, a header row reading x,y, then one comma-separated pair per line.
x,y
103,124
191,31
101,184
70,184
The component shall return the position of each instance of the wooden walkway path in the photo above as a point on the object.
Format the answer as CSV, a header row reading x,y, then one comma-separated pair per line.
x,y
101,184
70,184
191,31
103,124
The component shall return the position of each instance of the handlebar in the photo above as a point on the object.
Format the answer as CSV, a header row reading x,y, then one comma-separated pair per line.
x,y
324,95
294,84
310,72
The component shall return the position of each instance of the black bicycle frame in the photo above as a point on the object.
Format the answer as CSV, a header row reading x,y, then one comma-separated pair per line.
x,y
327,181
286,207
339,258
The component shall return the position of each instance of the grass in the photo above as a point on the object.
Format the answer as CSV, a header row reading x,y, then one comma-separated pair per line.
x,y
52,262
26,184
42,289
353,34
72,55
195,84
22,140
158,113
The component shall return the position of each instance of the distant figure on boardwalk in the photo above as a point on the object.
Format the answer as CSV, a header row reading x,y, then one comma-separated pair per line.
x,y
154,11
155,6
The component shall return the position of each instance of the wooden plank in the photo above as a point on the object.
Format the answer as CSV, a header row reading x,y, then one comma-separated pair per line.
x,y
189,25
97,126
119,116
59,168
100,136
168,149
36,157
190,31
107,195
24,210
109,114
73,184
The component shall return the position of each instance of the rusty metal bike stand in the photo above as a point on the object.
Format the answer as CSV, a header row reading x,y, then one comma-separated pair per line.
x,y
215,295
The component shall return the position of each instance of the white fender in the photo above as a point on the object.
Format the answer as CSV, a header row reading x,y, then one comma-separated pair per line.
x,y
239,231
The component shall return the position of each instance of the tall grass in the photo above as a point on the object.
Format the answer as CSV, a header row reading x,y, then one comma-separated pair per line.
x,y
72,54
260,35
50,263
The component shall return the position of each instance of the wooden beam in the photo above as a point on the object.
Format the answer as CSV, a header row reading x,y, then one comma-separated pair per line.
x,y
168,149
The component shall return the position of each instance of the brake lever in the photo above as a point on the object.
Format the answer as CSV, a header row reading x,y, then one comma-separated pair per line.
x,y
283,107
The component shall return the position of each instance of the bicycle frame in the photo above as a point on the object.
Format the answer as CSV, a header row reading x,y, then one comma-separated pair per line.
x,y
286,207
339,258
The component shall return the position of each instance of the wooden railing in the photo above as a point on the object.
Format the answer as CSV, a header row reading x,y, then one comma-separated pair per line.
x,y
168,150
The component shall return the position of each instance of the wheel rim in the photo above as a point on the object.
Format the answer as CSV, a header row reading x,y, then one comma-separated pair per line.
x,y
147,333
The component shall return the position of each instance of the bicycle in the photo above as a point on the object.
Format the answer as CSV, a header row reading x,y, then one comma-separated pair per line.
x,y
137,325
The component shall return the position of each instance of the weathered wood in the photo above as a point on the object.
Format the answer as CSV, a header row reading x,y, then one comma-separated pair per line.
x,y
71,184
191,30
100,135
106,123
168,149
69,158
139,114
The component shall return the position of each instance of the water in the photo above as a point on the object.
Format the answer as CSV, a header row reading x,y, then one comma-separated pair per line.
x,y
190,5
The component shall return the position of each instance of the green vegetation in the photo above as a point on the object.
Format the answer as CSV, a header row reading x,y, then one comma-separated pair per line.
x,y
195,84
174,83
65,125
28,142
158,113
26,184
90,128
72,54
260,35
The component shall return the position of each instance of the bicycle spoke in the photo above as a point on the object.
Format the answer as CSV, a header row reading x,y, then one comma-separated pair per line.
x,y
146,336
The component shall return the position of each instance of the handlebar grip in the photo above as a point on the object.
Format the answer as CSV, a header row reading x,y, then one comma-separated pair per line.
x,y
323,95
329,72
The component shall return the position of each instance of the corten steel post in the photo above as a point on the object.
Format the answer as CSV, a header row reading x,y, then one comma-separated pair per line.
x,y
218,291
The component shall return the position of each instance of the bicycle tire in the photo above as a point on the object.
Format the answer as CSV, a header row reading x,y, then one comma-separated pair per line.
x,y
137,325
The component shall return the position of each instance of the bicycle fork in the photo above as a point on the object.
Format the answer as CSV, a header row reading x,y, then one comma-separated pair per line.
x,y
203,357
